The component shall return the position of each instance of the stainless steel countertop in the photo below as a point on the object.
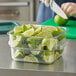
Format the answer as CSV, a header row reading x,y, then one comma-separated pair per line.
x,y
65,64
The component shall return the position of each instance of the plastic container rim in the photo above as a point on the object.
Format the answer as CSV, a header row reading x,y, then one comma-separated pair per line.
x,y
65,29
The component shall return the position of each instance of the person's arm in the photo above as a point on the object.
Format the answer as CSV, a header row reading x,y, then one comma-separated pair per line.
x,y
69,8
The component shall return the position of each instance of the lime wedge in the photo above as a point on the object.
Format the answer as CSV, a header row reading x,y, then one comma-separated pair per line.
x,y
46,42
19,38
31,58
18,30
24,27
63,36
45,34
36,26
29,32
17,41
48,59
35,47
20,41
24,51
55,33
18,54
37,30
50,43
60,29
49,28
34,42
29,26
56,55
46,31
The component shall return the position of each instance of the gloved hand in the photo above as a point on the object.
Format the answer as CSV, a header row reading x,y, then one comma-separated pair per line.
x,y
69,8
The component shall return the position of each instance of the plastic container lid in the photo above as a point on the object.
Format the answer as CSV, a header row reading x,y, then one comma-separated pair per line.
x,y
7,26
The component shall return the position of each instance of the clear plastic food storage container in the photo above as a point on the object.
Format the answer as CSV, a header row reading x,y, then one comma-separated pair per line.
x,y
36,43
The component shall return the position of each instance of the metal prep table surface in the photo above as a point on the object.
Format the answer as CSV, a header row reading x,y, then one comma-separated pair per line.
x,y
65,66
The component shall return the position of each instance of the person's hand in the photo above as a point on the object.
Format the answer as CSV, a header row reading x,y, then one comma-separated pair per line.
x,y
69,8
45,1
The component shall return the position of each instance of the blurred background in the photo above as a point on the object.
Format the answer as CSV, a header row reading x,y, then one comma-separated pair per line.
x,y
21,10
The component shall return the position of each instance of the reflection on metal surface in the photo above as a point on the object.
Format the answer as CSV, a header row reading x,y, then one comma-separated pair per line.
x,y
57,66
69,56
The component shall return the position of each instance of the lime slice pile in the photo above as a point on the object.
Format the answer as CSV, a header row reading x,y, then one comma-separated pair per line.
x,y
36,43
31,58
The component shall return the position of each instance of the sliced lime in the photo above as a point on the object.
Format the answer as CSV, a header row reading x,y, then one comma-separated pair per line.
x,y
24,51
18,54
31,58
34,42
60,29
47,31
18,30
49,28
56,33
17,41
48,59
45,34
56,55
20,41
36,26
24,27
50,43
29,32
37,30
29,26
35,47
62,37
19,38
